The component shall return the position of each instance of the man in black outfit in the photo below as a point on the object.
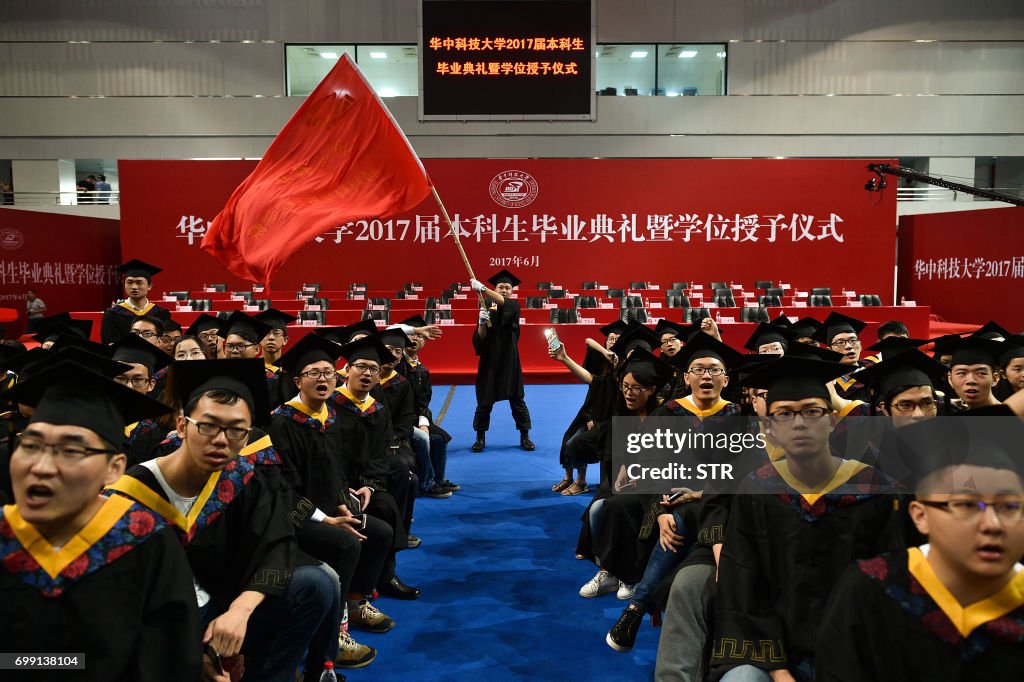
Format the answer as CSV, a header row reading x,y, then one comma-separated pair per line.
x,y
499,375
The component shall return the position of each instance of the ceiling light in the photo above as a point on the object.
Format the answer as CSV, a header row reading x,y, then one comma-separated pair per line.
x,y
639,54
387,92
329,55
720,55
379,55
688,54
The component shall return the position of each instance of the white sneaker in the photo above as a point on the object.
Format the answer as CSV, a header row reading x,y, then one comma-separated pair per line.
x,y
602,583
625,591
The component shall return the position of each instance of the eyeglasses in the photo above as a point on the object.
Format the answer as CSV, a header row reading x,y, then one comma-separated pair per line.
x,y
761,395
851,342
185,354
169,339
806,413
366,369
320,374
137,382
208,335
277,334
971,510
634,390
145,335
63,453
669,341
237,347
908,406
213,430
710,371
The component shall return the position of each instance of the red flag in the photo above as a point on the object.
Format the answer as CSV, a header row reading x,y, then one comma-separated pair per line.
x,y
340,158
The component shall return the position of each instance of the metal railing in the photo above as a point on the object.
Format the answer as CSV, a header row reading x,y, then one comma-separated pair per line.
x,y
93,198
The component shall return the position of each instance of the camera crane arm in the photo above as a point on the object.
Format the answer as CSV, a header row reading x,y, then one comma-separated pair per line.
x,y
876,185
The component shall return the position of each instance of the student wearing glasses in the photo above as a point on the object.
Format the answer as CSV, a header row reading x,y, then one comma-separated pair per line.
x,y
141,438
271,347
952,609
206,328
794,526
138,281
172,334
189,348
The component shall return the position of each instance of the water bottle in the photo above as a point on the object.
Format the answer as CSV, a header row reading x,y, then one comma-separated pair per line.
x,y
328,674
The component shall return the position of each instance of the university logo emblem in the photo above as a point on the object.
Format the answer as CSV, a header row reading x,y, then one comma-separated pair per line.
x,y
11,239
513,189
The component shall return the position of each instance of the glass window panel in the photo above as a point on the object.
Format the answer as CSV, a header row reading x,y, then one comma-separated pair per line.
x,y
393,70
306,65
691,69
625,69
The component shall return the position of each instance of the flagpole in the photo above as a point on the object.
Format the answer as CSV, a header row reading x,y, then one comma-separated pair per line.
x,y
455,236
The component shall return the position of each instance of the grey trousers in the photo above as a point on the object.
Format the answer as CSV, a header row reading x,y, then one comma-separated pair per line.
x,y
684,631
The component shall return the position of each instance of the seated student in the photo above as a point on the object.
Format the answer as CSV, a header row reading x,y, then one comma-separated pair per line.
x,y
254,596
705,362
242,335
138,280
430,441
892,328
1011,364
903,387
952,609
346,334
365,459
49,328
840,333
794,526
272,346
82,573
206,328
148,328
143,437
805,328
304,431
973,372
992,331
172,334
770,339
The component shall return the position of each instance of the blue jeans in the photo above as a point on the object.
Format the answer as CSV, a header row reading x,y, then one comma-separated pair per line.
x,y
431,457
802,670
596,516
659,565
303,620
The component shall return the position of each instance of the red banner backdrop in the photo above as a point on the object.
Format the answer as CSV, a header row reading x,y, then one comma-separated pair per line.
x,y
68,260
808,223
967,265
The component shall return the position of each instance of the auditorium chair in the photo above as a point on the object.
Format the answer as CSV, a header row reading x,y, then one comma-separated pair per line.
x,y
763,284
400,295
543,286
718,285
821,291
201,304
261,303
673,300
180,295
556,293
589,286
377,300
615,293
724,299
564,316
819,301
434,316
769,300
758,314
319,316
638,314
377,315
324,303
311,287
638,285
219,288
536,301
870,299
246,296
586,301
698,314
773,291
631,302
680,285
431,303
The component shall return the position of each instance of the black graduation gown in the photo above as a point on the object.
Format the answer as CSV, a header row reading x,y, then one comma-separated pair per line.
x,y
12,423
598,407
783,552
499,374
117,320
142,440
882,624
849,388
126,602
280,387
423,392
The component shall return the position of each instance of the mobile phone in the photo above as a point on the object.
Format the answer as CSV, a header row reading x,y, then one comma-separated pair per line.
x,y
362,521
357,504
679,493
212,653
552,336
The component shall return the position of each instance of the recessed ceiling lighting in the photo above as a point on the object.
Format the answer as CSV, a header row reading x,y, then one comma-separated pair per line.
x,y
379,55
688,54
329,55
639,54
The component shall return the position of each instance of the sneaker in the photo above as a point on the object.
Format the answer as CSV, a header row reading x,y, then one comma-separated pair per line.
x,y
622,636
625,591
352,654
602,583
365,616
448,485
437,492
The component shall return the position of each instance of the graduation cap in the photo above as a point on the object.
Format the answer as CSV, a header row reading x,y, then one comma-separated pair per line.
x,y
766,333
275,318
835,324
395,336
805,327
1014,349
976,350
8,353
749,363
896,344
782,321
794,378
68,394
22,363
944,345
48,328
647,369
203,323
909,368
240,324
75,341
504,276
138,268
345,333
245,377
414,321
991,330
134,350
616,327
310,349
636,335
677,329
706,346
37,359
369,347
807,351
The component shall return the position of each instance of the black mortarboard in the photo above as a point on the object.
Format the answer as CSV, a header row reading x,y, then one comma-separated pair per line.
x,y
134,350
414,321
245,377
636,335
75,341
345,333
805,327
767,332
991,330
976,350
138,268
49,327
944,345
648,369
616,327
311,348
703,345
21,364
275,318
782,321
395,336
37,359
8,353
68,394
750,362
792,378
203,323
171,325
807,351
1013,349
677,329
369,347
240,324
837,323
909,368
504,276
891,345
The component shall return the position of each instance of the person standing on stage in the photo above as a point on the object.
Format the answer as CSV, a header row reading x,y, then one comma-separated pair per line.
x,y
138,280
499,375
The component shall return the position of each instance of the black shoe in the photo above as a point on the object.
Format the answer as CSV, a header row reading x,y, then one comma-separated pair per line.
x,y
448,485
414,541
622,636
524,441
438,492
397,589
480,443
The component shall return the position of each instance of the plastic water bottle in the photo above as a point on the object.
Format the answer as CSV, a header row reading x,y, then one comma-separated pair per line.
x,y
328,674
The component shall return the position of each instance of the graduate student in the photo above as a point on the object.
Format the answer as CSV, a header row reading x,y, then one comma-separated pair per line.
x,y
1011,364
141,438
138,281
973,373
952,609
273,344
206,328
499,374
256,595
80,572
841,334
770,339
49,328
